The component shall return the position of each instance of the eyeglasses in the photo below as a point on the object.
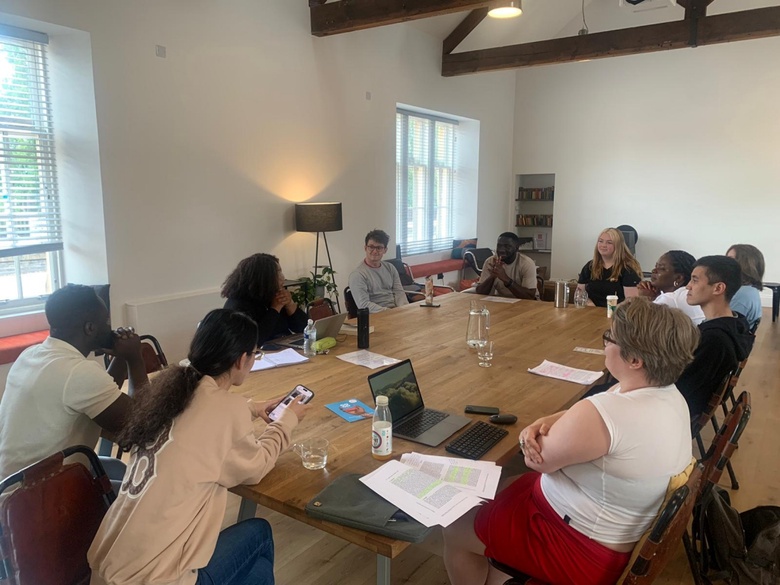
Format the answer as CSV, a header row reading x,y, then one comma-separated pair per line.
x,y
607,338
376,248
258,353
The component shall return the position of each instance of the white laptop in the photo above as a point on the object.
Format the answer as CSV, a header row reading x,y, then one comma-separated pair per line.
x,y
326,327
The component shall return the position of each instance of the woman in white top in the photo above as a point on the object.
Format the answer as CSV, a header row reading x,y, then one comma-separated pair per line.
x,y
667,283
601,468
191,440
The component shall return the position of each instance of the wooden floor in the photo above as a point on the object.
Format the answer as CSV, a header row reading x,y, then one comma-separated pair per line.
x,y
306,556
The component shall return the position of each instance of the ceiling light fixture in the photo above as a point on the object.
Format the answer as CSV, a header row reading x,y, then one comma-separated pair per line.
x,y
506,9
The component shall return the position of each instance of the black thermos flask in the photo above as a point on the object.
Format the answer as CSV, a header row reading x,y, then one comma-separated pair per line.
x,y
362,330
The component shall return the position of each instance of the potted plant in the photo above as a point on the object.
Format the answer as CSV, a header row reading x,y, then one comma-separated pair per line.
x,y
316,286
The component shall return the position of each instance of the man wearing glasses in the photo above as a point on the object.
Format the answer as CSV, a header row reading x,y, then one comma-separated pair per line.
x,y
375,284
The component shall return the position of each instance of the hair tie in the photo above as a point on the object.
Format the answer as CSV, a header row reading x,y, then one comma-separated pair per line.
x,y
194,369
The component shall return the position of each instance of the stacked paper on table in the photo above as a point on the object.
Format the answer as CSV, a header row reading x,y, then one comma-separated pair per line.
x,y
559,372
495,299
434,490
287,357
368,359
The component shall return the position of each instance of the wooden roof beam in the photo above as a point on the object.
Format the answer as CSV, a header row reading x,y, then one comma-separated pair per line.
x,y
350,15
463,30
720,28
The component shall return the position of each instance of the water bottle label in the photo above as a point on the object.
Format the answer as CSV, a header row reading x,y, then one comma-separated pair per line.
x,y
382,440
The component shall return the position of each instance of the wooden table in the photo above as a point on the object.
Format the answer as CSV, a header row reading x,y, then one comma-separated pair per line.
x,y
524,333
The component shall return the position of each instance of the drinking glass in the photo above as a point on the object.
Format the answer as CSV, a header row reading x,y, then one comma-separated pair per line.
x,y
580,298
485,354
313,452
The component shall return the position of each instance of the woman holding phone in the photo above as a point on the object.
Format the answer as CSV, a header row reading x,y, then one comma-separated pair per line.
x,y
190,440
256,287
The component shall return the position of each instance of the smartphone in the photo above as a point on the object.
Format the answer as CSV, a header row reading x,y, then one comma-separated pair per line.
x,y
471,409
296,392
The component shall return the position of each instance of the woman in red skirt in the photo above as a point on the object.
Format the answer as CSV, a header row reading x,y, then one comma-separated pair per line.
x,y
601,468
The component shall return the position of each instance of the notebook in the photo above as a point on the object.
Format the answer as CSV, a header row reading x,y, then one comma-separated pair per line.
x,y
411,420
326,327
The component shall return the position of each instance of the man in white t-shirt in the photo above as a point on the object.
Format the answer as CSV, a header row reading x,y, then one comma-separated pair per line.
x,y
508,273
54,396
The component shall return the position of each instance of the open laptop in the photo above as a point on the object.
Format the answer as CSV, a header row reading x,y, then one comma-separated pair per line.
x,y
326,327
411,420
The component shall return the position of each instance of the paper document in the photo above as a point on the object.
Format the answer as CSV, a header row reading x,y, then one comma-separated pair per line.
x,y
592,350
368,359
287,357
494,299
553,370
351,329
479,478
428,500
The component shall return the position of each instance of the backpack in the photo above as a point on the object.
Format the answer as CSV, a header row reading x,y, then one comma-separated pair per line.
x,y
742,549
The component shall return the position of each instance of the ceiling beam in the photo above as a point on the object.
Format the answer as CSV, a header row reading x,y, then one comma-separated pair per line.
x,y
463,30
720,28
350,15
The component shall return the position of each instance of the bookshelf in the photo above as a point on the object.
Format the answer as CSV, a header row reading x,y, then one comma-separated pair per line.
x,y
534,200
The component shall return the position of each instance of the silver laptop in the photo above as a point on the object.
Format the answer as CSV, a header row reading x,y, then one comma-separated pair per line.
x,y
326,327
411,420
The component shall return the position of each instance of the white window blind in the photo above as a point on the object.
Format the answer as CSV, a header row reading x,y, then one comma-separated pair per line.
x,y
29,203
425,181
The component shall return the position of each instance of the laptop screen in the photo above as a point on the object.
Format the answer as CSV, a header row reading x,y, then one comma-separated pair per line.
x,y
399,384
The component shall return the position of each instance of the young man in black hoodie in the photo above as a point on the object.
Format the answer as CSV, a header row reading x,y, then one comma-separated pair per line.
x,y
725,337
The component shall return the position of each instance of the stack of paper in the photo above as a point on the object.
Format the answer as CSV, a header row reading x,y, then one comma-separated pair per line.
x,y
367,359
287,357
559,372
435,490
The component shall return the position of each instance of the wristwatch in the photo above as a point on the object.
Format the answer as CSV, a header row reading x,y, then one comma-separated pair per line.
x,y
510,283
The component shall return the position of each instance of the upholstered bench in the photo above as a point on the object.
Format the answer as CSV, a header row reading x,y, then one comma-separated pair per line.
x,y
12,346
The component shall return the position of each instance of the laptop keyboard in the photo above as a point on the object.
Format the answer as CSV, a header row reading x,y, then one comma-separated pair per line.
x,y
476,441
420,423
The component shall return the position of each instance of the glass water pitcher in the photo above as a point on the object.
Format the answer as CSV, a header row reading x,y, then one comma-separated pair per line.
x,y
478,331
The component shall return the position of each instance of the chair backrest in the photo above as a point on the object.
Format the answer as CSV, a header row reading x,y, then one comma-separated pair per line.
x,y
725,442
320,308
403,271
476,258
700,421
48,522
665,534
151,352
540,285
349,300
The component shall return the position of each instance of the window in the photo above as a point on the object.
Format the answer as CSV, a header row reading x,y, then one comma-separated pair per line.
x,y
425,181
30,226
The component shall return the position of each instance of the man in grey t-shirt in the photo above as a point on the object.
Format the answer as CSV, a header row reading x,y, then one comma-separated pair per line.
x,y
375,284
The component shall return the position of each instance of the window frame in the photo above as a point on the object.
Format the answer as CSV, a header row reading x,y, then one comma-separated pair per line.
x,y
34,122
430,243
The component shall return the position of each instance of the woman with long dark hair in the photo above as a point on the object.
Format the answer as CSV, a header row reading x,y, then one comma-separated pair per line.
x,y
747,301
613,270
256,287
190,440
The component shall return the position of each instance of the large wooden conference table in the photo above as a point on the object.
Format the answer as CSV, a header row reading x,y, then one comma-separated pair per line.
x,y
524,334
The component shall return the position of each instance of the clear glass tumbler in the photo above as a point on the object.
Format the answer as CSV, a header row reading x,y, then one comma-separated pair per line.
x,y
485,354
580,298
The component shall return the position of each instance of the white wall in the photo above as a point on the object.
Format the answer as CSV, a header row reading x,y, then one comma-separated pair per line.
x,y
203,153
684,145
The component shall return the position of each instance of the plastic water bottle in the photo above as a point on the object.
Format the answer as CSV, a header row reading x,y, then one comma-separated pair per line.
x,y
309,337
382,431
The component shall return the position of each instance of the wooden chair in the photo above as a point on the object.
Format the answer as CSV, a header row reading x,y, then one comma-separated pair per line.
x,y
707,415
48,522
320,308
655,547
715,461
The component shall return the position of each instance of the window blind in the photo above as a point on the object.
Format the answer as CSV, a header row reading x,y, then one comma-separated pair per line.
x,y
425,181
29,201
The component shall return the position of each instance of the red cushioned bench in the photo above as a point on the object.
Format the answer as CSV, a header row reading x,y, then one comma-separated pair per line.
x,y
12,346
440,267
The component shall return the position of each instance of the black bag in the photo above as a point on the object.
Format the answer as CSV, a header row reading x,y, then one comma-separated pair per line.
x,y
349,502
743,549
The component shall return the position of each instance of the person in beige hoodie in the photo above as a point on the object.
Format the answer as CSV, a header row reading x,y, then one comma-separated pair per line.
x,y
191,440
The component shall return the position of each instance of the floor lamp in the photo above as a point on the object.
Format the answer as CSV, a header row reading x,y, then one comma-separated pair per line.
x,y
319,218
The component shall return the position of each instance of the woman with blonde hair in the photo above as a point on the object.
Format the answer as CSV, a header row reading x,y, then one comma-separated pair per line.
x,y
747,301
600,468
613,270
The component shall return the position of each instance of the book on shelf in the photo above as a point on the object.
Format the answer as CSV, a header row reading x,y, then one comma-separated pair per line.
x,y
534,220
536,194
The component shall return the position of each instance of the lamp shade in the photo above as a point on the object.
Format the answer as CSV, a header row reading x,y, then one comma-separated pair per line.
x,y
506,9
318,217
